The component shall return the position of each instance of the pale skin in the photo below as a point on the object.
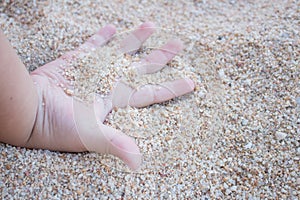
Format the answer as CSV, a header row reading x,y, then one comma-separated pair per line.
x,y
37,113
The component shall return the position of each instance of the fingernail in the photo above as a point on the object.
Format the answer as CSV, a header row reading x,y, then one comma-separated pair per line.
x,y
191,83
135,161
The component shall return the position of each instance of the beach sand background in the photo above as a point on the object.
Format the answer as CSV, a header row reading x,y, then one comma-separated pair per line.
x,y
235,137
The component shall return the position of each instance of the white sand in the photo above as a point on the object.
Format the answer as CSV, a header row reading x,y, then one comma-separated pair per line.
x,y
235,137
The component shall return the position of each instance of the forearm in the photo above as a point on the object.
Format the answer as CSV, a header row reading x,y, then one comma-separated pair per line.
x,y
18,99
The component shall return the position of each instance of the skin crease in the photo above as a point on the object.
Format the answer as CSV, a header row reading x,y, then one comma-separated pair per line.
x,y
48,118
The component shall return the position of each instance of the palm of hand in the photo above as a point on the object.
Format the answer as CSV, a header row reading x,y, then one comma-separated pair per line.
x,y
65,124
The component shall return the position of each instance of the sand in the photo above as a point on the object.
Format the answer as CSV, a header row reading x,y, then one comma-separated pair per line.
x,y
235,137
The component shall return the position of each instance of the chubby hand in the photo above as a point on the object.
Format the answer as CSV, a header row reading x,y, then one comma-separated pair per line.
x,y
64,123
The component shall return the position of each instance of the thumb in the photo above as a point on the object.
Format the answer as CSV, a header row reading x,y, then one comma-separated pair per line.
x,y
122,146
100,138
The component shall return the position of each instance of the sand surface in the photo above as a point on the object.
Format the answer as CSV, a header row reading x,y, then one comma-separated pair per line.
x,y
235,137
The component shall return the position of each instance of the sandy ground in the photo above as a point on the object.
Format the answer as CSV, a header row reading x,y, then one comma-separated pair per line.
x,y
235,137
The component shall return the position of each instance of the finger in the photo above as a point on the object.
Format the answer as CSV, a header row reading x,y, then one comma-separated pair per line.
x,y
102,107
156,60
52,69
100,38
150,94
136,38
121,95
